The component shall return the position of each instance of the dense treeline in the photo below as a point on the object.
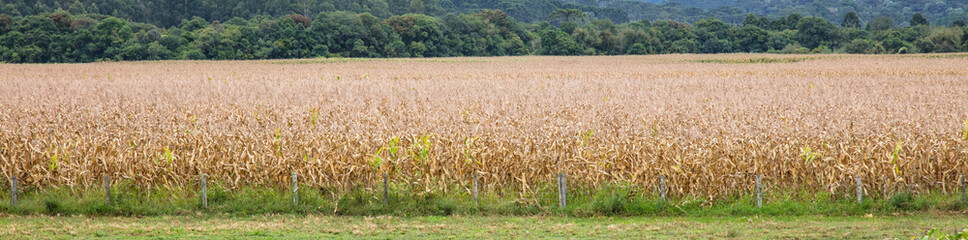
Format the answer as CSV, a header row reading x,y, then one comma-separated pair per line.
x,y
167,13
63,37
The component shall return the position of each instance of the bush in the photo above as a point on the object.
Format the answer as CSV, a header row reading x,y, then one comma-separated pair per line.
x,y
858,46
795,48
902,201
609,202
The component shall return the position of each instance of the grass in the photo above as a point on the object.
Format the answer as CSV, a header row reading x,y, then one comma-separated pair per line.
x,y
276,226
611,200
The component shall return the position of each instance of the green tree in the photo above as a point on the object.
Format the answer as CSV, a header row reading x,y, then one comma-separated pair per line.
x,y
419,28
715,45
946,40
958,23
851,20
881,24
858,46
925,46
109,37
751,39
751,20
917,19
964,39
814,31
557,42
896,45
568,15
684,46
339,31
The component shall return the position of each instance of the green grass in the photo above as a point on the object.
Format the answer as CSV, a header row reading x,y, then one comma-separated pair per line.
x,y
613,200
316,226
604,212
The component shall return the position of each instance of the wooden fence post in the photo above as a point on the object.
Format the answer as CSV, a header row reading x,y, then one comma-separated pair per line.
x,y
13,190
107,189
386,191
562,190
204,192
662,189
759,191
476,203
860,190
295,190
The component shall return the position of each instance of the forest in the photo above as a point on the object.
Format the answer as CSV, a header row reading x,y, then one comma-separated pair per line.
x,y
116,30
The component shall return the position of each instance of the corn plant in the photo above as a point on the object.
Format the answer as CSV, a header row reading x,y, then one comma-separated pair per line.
x,y
704,125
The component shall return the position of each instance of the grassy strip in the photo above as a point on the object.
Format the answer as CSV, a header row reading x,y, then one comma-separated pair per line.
x,y
582,202
463,227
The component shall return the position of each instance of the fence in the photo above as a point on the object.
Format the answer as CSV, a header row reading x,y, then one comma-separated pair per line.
x,y
562,189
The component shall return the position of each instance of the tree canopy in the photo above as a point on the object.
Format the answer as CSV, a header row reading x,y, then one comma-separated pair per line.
x,y
60,36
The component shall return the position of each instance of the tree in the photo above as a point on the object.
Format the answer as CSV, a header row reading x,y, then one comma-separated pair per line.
x,y
568,15
419,28
917,19
925,46
896,45
751,20
751,39
881,24
338,31
858,46
418,6
946,40
715,45
958,23
684,46
816,31
557,42
792,20
964,39
851,20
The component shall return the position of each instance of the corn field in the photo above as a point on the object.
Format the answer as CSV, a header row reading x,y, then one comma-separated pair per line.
x,y
708,123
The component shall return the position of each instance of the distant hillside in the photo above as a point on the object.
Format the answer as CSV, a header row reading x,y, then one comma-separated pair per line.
x,y
936,11
167,13
170,12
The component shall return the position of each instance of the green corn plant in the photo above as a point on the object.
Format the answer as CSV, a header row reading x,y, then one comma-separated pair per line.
x,y
808,155
469,149
52,165
583,142
376,161
894,158
964,131
278,143
423,148
586,137
605,162
313,115
169,155
393,147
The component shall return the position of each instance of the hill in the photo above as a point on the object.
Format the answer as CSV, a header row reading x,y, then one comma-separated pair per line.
x,y
166,13
942,12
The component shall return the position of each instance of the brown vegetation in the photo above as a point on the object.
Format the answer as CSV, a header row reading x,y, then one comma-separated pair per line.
x,y
709,123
